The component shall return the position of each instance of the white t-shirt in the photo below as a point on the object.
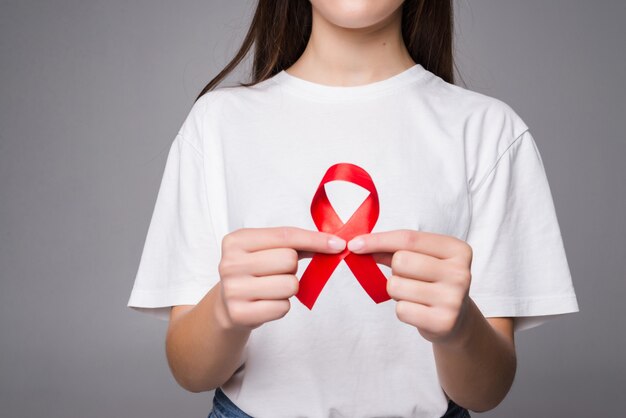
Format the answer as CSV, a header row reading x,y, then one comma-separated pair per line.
x,y
442,158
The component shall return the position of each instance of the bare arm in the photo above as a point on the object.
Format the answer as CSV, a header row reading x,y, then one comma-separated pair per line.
x,y
431,276
205,342
202,350
478,372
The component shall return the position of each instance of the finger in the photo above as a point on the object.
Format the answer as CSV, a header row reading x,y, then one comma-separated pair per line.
x,y
418,266
416,291
427,270
264,262
258,312
274,287
430,243
261,263
270,310
255,239
416,314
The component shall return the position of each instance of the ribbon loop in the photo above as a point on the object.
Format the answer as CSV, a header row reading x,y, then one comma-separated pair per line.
x,y
362,221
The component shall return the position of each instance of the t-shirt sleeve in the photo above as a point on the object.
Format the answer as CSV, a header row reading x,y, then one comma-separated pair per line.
x,y
179,262
519,267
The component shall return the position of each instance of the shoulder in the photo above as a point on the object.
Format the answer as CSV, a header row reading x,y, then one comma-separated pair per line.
x,y
205,114
225,96
477,113
485,125
201,116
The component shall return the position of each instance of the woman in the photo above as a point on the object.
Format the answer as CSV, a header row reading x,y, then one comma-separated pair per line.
x,y
461,224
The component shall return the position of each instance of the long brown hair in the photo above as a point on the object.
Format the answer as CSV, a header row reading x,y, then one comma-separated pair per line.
x,y
280,30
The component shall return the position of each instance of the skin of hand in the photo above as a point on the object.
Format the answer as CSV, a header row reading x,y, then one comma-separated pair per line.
x,y
205,342
430,280
258,271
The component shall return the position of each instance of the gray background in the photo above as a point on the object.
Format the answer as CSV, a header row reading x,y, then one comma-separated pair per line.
x,y
91,95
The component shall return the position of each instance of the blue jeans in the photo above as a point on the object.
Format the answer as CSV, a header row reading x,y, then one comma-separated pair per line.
x,y
223,407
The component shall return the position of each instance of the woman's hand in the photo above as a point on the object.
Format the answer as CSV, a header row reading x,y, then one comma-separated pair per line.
x,y
257,271
430,278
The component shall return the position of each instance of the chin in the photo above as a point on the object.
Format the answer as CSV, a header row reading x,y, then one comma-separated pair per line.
x,y
355,14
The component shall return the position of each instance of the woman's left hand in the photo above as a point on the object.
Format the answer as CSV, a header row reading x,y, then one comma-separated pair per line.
x,y
430,278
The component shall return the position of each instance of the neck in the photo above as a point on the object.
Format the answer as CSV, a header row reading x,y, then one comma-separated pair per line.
x,y
343,56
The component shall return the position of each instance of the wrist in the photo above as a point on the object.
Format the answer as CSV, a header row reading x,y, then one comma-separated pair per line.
x,y
220,313
465,329
222,319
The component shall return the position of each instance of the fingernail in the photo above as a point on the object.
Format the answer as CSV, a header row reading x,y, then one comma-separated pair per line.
x,y
336,243
355,244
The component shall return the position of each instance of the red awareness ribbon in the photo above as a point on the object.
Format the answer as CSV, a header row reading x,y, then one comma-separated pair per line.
x,y
362,221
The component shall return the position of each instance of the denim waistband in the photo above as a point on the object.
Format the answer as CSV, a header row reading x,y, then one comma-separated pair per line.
x,y
223,407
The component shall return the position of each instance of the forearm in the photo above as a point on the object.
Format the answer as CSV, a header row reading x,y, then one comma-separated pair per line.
x,y
478,369
202,351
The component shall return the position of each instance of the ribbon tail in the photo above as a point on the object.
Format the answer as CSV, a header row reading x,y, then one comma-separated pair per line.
x,y
315,277
369,275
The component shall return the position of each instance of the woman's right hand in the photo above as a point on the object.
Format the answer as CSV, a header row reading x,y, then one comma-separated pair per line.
x,y
257,271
